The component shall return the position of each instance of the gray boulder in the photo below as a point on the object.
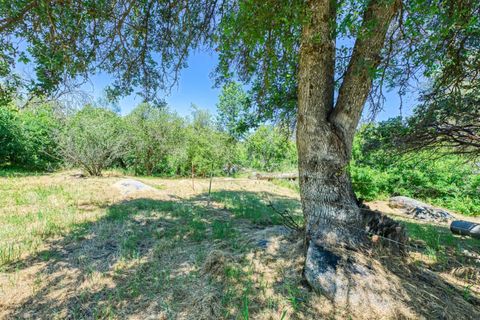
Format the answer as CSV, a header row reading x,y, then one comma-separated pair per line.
x,y
128,186
420,210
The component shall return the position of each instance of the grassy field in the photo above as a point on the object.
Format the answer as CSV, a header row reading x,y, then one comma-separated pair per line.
x,y
78,248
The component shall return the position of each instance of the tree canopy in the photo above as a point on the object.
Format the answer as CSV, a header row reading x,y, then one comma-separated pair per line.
x,y
144,45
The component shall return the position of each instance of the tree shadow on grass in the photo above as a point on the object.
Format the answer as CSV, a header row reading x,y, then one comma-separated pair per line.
x,y
144,258
257,206
141,258
138,256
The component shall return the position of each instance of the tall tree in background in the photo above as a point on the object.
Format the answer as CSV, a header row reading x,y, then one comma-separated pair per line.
x,y
232,108
319,60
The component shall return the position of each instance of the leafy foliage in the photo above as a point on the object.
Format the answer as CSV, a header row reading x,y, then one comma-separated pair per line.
x,y
92,139
206,149
40,129
9,133
28,136
152,136
232,108
447,124
269,149
377,171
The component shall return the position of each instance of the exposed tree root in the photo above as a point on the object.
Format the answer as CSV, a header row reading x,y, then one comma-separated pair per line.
x,y
352,280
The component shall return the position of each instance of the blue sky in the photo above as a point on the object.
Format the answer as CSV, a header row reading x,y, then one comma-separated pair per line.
x,y
196,86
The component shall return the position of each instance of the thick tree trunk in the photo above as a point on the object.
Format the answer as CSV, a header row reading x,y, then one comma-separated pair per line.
x,y
324,140
330,208
327,197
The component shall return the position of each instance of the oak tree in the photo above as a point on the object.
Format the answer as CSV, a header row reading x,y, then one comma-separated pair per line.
x,y
316,61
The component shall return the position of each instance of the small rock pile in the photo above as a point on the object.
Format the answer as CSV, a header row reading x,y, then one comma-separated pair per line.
x,y
383,228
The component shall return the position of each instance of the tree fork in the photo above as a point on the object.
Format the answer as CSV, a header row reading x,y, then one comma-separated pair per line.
x,y
325,136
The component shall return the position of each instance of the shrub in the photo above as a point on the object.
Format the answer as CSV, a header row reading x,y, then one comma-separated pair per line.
x,y
269,149
378,172
92,139
10,132
27,136
40,128
155,139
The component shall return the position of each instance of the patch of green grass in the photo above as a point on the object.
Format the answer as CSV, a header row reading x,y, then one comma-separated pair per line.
x,y
290,184
9,252
222,229
255,206
197,230
12,171
439,241
294,296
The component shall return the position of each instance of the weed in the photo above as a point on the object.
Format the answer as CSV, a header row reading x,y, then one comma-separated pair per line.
x,y
222,229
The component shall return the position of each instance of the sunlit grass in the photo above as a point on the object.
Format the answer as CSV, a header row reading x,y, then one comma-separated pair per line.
x,y
128,252
35,209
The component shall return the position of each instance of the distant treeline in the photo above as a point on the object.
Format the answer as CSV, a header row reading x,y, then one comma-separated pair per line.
x,y
148,141
155,141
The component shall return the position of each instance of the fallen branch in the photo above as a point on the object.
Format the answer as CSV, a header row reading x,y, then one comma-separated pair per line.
x,y
272,176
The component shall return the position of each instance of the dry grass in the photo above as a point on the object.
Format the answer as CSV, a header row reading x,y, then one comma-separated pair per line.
x,y
77,248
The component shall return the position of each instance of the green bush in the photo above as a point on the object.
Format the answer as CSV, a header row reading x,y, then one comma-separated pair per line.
x,y
269,149
378,172
155,139
208,150
28,137
40,129
10,133
92,139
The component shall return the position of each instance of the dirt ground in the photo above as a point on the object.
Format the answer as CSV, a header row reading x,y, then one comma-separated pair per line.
x,y
87,250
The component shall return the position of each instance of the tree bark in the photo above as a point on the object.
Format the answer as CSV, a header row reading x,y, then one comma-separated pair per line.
x,y
325,131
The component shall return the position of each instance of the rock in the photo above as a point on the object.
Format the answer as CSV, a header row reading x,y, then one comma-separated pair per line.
x,y
127,186
420,210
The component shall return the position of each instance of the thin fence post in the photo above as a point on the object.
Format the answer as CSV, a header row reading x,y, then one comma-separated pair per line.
x,y
193,175
210,187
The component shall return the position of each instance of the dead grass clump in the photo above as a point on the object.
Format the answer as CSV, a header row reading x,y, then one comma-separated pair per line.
x,y
206,303
466,273
215,263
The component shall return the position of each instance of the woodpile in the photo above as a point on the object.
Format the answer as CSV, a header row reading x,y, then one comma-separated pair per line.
x,y
273,176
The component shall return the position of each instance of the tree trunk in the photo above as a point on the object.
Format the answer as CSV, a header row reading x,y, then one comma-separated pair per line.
x,y
325,134
331,213
327,197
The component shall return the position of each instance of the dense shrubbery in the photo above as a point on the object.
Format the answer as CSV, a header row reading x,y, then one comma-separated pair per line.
x,y
378,171
150,140
269,149
28,136
153,140
92,139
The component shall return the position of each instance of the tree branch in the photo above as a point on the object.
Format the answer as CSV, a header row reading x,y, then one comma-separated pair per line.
x,y
362,66
10,21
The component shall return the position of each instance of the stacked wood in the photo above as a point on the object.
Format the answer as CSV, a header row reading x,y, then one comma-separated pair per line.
x,y
272,176
386,230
